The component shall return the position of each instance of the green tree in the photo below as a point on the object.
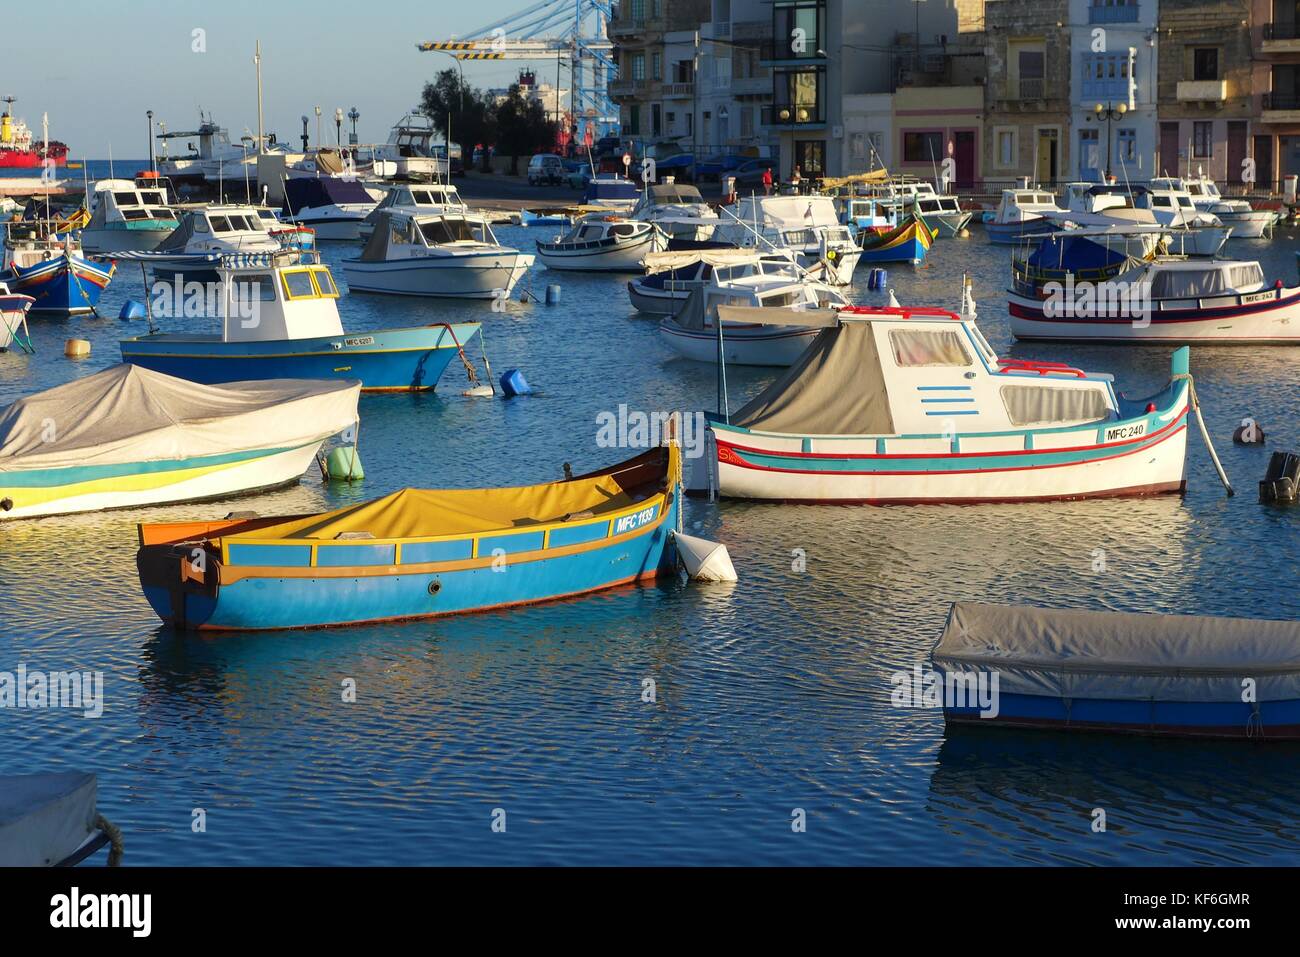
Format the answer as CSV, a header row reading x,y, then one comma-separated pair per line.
x,y
473,120
522,127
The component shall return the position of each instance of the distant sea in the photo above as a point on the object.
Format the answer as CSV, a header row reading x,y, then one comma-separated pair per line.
x,y
91,170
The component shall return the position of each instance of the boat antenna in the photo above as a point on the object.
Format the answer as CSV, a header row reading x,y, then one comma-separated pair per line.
x,y
110,160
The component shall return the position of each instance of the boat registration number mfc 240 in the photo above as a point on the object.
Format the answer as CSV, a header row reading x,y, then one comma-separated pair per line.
x,y
1131,431
629,522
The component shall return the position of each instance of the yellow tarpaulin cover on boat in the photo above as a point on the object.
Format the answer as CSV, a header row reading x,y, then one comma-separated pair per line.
x,y
875,176
422,513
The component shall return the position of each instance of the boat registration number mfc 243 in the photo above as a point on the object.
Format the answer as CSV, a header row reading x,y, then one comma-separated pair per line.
x,y
629,522
1130,431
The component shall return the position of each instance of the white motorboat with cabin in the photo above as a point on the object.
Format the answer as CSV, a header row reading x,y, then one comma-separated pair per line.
x,y
942,213
426,198
603,243
126,216
1246,221
410,147
1192,232
678,209
809,226
213,231
333,206
671,276
696,333
450,254
1020,213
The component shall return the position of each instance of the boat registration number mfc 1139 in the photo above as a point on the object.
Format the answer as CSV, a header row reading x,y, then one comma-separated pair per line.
x,y
1131,431
629,522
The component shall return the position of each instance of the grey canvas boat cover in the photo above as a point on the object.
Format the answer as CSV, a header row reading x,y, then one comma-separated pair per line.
x,y
835,388
128,414
45,817
1120,655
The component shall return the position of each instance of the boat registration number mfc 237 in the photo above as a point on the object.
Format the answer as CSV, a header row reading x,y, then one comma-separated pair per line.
x,y
629,522
1130,431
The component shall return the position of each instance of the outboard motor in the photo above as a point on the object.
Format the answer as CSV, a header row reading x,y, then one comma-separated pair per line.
x,y
1281,483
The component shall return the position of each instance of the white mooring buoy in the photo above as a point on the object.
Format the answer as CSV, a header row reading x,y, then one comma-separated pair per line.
x,y
705,561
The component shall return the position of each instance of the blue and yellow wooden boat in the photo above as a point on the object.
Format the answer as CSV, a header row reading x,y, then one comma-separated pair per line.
x,y
906,243
418,553
55,274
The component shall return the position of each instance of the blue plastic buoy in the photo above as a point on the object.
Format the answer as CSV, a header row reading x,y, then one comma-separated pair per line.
x,y
552,295
877,279
513,383
133,309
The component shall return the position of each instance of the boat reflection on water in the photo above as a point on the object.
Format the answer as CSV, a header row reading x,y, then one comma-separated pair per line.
x,y
1031,797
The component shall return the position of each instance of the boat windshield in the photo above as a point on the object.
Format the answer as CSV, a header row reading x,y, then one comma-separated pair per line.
x,y
1195,283
455,229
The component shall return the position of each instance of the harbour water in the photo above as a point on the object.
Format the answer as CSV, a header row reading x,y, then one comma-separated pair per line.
x,y
771,695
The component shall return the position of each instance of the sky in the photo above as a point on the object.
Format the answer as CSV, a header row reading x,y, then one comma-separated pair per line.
x,y
97,68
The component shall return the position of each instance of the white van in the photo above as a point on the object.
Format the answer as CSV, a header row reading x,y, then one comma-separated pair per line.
x,y
546,168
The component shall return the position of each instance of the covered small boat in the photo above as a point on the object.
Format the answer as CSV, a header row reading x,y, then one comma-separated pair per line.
x,y
905,243
679,209
442,255
333,206
13,319
612,191
129,436
124,215
1072,255
54,271
600,243
1071,670
418,553
696,333
52,820
278,319
807,226
911,406
1221,302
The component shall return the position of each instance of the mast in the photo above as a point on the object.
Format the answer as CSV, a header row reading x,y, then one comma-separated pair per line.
x,y
257,61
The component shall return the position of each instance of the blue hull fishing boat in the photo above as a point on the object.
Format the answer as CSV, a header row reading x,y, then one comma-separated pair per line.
x,y
906,243
55,275
280,320
1176,675
419,554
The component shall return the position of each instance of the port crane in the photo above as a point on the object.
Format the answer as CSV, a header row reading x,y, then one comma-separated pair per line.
x,y
572,30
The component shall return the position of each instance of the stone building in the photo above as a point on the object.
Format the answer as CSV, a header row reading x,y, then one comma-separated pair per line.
x,y
638,30
1027,94
1275,40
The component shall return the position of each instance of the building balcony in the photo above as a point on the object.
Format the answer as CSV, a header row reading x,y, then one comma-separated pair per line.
x,y
631,28
1280,38
1281,108
633,89
1202,91
678,91
1094,91
1113,13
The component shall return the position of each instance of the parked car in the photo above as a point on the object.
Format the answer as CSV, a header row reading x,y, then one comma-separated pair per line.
x,y
751,173
578,178
546,168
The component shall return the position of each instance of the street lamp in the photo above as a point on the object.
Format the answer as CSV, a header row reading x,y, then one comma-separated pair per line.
x,y
152,167
306,139
1109,113
338,126
353,115
318,127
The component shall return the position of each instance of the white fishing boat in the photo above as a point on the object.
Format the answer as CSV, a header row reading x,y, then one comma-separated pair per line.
x,y
1246,221
912,405
671,276
126,216
696,332
129,436
1193,232
411,150
942,213
215,231
333,206
52,819
602,243
452,255
426,198
1222,302
808,226
1020,213
678,209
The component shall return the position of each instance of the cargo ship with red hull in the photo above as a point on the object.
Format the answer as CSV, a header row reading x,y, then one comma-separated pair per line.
x,y
17,151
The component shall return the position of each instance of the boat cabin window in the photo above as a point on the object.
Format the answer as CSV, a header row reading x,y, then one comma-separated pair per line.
x,y
201,225
163,213
927,347
258,288
454,229
297,284
1185,202
1194,189
779,299
591,232
1245,276
624,229
1187,283
125,199
1161,201
1045,405
153,197
135,214
324,282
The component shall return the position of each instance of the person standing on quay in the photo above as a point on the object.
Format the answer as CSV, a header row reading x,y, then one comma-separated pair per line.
x,y
767,181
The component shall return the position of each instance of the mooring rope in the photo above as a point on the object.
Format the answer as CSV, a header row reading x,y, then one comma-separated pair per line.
x,y
114,834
